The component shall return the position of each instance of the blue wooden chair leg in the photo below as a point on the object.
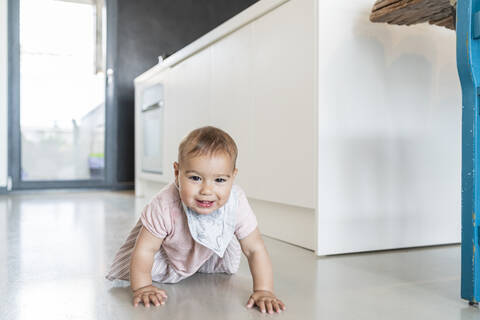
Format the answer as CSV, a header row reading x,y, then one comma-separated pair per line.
x,y
468,64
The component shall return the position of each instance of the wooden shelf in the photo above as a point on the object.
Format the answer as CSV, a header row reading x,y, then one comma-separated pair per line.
x,y
408,12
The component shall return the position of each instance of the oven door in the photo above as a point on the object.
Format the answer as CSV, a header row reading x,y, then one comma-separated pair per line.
x,y
153,106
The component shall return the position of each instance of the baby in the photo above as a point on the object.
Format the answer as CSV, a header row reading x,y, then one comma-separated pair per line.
x,y
199,223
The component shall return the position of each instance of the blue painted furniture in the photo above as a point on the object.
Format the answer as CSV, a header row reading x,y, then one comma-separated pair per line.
x,y
468,64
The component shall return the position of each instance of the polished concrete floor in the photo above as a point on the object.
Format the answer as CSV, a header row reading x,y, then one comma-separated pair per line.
x,y
56,246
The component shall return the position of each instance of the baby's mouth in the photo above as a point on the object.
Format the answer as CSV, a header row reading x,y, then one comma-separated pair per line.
x,y
204,203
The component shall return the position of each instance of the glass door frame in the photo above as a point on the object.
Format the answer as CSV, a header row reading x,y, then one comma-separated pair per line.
x,y
14,135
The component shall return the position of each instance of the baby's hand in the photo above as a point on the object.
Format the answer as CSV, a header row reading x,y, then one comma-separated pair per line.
x,y
147,294
266,301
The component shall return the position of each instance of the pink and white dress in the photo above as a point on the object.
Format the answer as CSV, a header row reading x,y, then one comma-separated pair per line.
x,y
180,255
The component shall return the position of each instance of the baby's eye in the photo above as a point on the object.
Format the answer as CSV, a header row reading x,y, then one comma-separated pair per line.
x,y
194,178
220,180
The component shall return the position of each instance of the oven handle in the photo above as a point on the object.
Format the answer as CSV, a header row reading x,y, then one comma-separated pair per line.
x,y
154,106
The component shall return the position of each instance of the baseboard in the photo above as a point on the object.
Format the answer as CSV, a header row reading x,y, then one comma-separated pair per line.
x,y
295,225
147,188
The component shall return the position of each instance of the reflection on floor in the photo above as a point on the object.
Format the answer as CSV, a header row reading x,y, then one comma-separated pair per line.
x,y
55,248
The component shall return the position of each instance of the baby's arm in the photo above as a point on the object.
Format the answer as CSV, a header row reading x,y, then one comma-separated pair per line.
x,y
141,270
261,269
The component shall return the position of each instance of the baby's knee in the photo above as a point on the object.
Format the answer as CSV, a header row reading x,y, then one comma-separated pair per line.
x,y
231,269
231,264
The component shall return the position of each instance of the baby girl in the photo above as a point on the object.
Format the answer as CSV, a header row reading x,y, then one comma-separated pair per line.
x,y
199,223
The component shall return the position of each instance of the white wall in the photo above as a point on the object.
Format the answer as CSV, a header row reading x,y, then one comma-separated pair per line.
x,y
389,133
3,93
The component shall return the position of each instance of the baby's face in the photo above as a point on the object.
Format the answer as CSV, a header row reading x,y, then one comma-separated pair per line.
x,y
205,181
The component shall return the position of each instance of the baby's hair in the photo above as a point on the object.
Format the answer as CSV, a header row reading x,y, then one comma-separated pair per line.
x,y
207,141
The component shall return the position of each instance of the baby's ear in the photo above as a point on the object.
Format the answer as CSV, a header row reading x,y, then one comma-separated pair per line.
x,y
175,168
176,172
235,171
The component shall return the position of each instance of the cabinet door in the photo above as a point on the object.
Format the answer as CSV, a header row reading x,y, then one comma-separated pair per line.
x,y
231,95
284,121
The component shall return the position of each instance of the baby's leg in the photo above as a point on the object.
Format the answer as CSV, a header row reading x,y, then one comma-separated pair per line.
x,y
120,268
162,271
228,264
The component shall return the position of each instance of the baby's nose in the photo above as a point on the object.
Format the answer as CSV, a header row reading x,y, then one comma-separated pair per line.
x,y
206,188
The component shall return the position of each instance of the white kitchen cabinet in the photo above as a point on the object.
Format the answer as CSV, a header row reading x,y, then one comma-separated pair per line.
x,y
339,122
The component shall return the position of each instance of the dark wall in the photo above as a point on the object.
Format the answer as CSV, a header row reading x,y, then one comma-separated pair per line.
x,y
145,30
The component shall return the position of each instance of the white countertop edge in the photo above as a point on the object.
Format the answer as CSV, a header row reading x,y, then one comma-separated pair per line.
x,y
253,12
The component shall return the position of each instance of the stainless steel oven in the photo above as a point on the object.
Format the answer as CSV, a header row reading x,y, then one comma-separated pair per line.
x,y
153,105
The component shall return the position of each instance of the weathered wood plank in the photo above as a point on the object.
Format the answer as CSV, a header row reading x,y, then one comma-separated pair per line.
x,y
448,22
383,3
408,12
393,8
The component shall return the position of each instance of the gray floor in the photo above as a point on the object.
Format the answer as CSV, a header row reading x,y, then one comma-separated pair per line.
x,y
55,248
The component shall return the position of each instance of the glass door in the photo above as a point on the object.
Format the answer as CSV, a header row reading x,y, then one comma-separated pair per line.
x,y
61,93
